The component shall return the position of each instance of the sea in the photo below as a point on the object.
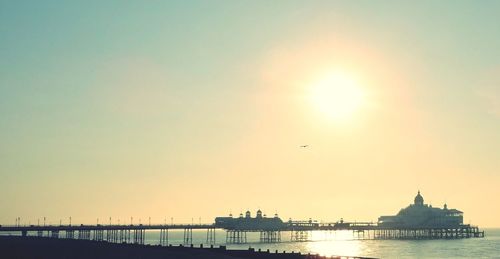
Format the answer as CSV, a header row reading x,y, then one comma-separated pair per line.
x,y
343,243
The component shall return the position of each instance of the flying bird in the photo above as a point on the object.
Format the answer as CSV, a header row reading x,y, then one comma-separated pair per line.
x,y
304,146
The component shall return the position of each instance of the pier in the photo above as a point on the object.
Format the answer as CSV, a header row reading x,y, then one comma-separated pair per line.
x,y
298,232
417,221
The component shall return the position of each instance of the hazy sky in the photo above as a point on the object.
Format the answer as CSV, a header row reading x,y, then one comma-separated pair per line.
x,y
194,109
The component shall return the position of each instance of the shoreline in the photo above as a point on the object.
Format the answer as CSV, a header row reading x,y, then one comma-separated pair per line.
x,y
45,247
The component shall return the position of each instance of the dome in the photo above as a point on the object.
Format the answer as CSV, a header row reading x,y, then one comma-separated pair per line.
x,y
247,214
259,214
419,200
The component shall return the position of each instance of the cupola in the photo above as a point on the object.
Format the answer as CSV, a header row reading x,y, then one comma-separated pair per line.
x,y
419,200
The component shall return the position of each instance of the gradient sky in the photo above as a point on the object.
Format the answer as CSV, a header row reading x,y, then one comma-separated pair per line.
x,y
194,109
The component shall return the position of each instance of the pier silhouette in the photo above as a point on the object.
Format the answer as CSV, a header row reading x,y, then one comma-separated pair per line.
x,y
417,221
299,231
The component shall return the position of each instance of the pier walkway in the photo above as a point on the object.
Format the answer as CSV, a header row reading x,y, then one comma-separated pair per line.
x,y
298,231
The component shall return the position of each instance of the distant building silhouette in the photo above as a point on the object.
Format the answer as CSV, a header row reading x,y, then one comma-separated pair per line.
x,y
419,214
260,222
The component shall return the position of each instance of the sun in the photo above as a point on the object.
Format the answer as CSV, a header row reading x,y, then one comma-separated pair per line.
x,y
338,95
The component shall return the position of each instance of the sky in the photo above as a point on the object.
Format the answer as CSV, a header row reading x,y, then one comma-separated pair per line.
x,y
194,109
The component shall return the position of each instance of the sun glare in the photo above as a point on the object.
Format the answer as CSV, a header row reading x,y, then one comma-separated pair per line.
x,y
338,96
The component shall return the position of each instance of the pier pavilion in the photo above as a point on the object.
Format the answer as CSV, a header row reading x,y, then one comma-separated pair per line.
x,y
420,214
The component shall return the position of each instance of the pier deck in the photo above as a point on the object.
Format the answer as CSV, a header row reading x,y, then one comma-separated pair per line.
x,y
299,231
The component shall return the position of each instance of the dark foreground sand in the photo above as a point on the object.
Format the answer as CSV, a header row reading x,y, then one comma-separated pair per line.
x,y
41,248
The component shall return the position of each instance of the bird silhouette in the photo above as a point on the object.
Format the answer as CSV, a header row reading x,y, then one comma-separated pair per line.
x,y
304,146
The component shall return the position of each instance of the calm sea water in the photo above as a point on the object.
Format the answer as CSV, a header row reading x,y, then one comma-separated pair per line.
x,y
342,243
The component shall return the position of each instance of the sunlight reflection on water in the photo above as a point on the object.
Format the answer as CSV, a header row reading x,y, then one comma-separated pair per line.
x,y
343,245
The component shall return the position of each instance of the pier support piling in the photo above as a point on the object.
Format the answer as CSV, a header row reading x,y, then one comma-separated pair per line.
x,y
211,236
188,236
84,234
70,234
139,235
236,237
299,235
54,234
270,236
98,235
164,236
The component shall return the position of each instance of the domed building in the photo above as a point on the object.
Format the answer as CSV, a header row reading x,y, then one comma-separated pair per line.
x,y
419,214
419,200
